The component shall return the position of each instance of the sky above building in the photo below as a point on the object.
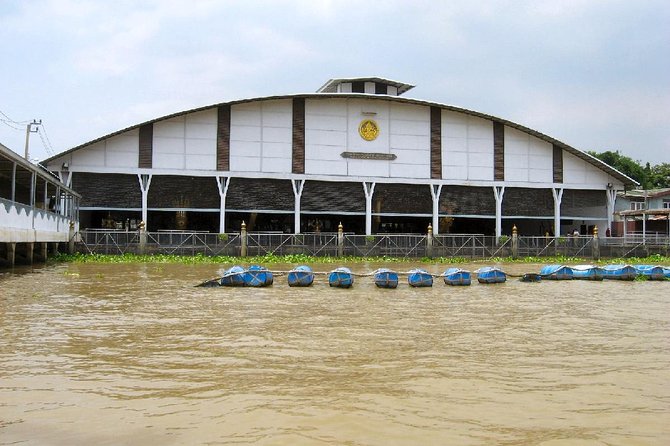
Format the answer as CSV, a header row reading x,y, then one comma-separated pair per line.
x,y
593,74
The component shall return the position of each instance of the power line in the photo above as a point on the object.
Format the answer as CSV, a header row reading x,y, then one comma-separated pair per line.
x,y
42,131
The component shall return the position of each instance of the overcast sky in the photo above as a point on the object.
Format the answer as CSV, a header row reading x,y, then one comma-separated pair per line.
x,y
593,74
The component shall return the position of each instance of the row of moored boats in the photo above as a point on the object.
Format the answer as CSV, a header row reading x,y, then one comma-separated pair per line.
x,y
343,277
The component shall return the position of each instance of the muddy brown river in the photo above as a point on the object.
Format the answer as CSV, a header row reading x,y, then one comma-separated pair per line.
x,y
105,354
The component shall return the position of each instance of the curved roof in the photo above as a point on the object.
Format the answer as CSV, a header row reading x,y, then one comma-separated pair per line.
x,y
627,181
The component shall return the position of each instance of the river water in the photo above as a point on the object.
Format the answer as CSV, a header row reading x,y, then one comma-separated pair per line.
x,y
106,354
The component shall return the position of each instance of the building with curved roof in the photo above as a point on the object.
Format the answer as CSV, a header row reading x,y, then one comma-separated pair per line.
x,y
355,152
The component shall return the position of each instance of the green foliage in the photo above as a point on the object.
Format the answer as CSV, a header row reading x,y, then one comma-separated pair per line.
x,y
269,258
660,176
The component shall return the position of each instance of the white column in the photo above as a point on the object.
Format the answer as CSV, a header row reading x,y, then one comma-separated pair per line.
x,y
611,201
558,197
222,183
435,191
498,191
369,189
298,186
145,182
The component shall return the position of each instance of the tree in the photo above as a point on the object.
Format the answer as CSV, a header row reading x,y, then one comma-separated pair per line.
x,y
660,175
627,166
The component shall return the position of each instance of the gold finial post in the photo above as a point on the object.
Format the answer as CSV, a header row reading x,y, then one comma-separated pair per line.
x,y
514,230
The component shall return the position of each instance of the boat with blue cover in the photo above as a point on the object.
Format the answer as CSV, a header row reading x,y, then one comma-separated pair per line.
x,y
651,272
300,276
341,277
233,276
457,276
386,278
666,272
257,276
420,278
491,274
587,272
556,272
619,272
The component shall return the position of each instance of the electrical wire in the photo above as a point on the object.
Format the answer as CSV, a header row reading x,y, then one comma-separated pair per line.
x,y
42,131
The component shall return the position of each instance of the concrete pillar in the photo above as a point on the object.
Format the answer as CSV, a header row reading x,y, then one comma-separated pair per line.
x,y
595,250
243,239
515,243
29,252
44,251
429,242
340,240
70,239
11,254
143,237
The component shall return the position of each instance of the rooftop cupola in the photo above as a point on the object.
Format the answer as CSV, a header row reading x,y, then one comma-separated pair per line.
x,y
367,85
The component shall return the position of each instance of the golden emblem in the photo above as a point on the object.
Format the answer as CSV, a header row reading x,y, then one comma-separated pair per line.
x,y
368,129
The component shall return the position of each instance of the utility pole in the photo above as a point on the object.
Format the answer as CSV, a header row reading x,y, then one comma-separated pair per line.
x,y
29,130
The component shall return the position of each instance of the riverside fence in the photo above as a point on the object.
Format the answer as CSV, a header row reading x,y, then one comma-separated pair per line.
x,y
338,244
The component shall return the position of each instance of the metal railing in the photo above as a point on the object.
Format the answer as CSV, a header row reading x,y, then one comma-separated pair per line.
x,y
333,244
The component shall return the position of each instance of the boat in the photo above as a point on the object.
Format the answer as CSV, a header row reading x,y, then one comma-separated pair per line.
x,y
257,276
233,276
666,272
456,276
491,274
385,278
300,276
341,277
651,272
587,272
531,277
420,278
556,272
619,272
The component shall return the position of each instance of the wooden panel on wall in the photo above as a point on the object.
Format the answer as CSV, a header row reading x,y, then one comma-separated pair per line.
x,y
223,138
558,164
435,143
498,151
298,156
146,144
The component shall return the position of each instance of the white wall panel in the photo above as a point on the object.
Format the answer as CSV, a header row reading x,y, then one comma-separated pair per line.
x,y
168,145
168,161
200,147
201,162
324,153
169,128
93,155
321,167
480,173
123,159
368,168
245,133
409,170
245,149
277,165
412,157
455,172
245,164
277,150
277,134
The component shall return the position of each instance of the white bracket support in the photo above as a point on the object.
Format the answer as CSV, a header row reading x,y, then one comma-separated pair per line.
x,y
558,197
435,191
498,192
298,186
222,183
145,183
369,189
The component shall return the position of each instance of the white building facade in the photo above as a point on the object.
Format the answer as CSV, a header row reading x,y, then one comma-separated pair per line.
x,y
355,152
